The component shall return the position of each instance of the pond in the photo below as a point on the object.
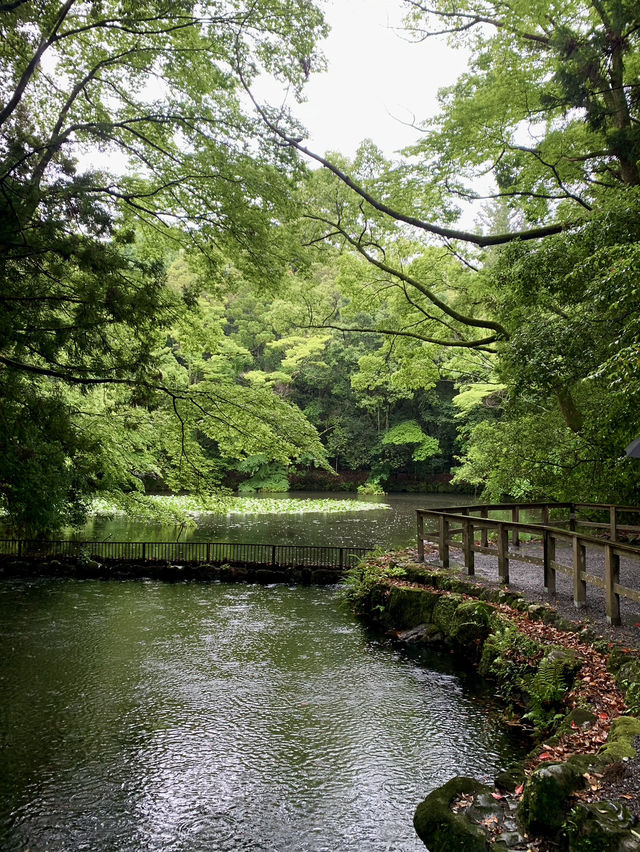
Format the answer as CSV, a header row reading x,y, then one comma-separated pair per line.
x,y
393,525
139,716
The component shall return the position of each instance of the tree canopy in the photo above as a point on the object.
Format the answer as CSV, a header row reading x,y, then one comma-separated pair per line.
x,y
182,297
83,249
542,295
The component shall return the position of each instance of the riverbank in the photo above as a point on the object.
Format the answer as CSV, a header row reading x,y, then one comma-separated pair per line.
x,y
575,690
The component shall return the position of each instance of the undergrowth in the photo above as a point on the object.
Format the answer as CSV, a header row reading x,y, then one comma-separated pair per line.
x,y
368,574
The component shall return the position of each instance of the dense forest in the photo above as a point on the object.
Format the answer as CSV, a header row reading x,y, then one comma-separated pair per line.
x,y
193,299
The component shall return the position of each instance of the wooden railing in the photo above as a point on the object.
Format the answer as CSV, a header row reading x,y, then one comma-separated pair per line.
x,y
457,527
206,552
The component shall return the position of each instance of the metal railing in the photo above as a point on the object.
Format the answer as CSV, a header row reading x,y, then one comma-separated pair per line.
x,y
205,552
457,527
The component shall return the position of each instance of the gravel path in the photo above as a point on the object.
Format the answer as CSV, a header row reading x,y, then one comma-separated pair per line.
x,y
527,578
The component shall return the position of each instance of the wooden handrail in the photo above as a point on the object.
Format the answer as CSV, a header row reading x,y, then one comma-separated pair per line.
x,y
468,523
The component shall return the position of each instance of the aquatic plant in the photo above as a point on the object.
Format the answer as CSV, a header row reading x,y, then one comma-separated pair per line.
x,y
174,508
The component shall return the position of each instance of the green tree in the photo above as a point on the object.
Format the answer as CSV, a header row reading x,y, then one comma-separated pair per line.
x,y
549,108
85,305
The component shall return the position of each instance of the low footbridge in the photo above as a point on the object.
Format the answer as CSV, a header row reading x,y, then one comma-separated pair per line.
x,y
186,559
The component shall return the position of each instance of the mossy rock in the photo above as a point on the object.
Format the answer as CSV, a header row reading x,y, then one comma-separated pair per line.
x,y
620,741
408,607
420,635
543,806
506,596
602,827
444,613
419,574
454,583
510,778
491,651
442,830
579,717
471,623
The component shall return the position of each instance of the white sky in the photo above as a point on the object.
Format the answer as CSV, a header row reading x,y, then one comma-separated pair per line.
x,y
375,81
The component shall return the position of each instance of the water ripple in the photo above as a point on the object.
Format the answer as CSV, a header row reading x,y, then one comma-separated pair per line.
x,y
142,717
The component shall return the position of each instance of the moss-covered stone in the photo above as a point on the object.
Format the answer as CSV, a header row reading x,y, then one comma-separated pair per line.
x,y
408,607
602,827
620,741
543,806
510,778
442,830
444,612
581,717
423,633
417,573
471,624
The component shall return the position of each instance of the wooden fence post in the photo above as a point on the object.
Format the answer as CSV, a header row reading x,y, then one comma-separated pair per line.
x,y
579,566
144,551
544,515
273,554
515,517
444,542
572,517
611,577
549,555
484,534
613,524
503,554
467,545
420,537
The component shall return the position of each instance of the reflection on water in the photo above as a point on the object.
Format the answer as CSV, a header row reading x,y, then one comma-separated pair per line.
x,y
388,527
142,716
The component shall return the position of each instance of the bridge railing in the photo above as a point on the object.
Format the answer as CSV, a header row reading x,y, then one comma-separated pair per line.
x,y
473,530
206,552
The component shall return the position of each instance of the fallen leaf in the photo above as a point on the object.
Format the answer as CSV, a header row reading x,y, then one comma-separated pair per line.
x,y
497,796
545,755
519,790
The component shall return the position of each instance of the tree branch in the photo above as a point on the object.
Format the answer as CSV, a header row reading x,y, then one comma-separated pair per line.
x,y
481,345
27,74
438,230
413,282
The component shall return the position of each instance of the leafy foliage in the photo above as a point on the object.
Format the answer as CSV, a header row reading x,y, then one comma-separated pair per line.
x,y
87,312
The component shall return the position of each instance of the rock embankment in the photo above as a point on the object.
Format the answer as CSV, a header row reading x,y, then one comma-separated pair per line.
x,y
576,693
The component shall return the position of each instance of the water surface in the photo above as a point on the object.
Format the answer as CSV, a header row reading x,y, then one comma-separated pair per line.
x,y
141,716
393,525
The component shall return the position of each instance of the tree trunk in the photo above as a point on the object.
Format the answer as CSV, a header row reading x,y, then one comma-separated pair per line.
x,y
571,414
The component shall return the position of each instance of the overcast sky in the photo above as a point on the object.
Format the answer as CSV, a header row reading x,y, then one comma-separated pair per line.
x,y
376,79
